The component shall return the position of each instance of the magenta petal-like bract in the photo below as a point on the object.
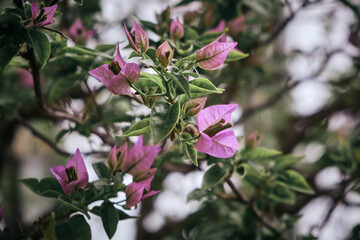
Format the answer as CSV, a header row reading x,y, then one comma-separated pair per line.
x,y
117,83
214,55
47,17
222,142
220,27
165,54
176,29
77,165
223,145
140,157
213,114
135,192
137,38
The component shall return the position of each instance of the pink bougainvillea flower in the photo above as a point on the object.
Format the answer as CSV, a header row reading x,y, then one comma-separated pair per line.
x,y
41,17
137,38
74,175
216,139
139,157
117,75
78,33
236,25
165,53
2,211
115,160
220,27
214,55
25,78
137,191
253,139
176,29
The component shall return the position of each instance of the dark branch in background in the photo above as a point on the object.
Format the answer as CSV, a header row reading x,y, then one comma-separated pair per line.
x,y
283,25
37,134
251,206
288,87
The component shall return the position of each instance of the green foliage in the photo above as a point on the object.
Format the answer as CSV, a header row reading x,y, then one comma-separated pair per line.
x,y
74,228
109,217
139,128
41,45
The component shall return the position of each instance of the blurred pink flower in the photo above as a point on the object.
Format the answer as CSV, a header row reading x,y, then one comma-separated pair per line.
x,y
215,137
25,78
137,191
165,53
214,55
115,160
176,29
137,38
117,75
236,25
41,17
220,27
74,175
78,32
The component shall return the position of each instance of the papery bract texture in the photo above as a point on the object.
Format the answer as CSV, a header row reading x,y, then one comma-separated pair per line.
x,y
176,29
215,137
137,38
115,76
165,53
73,175
214,55
41,17
137,191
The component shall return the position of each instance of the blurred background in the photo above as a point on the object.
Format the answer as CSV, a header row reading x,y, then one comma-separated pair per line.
x,y
299,88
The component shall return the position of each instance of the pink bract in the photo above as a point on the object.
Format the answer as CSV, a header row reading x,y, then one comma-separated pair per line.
x,y
117,83
137,191
73,175
165,53
46,18
137,38
220,27
222,143
176,29
214,55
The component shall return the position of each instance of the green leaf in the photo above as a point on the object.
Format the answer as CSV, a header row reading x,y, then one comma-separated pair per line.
x,y
209,37
11,37
190,34
259,153
203,86
296,182
138,128
48,227
75,228
80,2
286,161
147,80
84,51
66,201
62,85
189,149
235,55
182,82
197,195
151,52
101,170
31,183
123,216
214,176
279,192
163,119
105,47
41,46
109,217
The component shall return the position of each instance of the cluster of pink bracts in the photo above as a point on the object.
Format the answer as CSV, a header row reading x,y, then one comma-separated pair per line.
x,y
136,161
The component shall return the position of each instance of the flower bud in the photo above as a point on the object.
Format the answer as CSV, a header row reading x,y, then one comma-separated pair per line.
x,y
176,29
194,106
165,53
137,38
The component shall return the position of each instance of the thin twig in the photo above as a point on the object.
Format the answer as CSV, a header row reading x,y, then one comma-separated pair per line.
x,y
55,31
37,134
253,209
